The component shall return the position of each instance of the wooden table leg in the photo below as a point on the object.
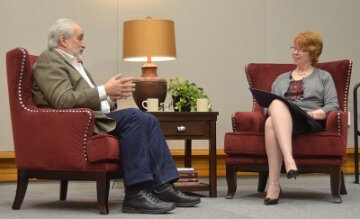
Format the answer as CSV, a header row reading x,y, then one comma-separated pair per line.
x,y
188,153
212,161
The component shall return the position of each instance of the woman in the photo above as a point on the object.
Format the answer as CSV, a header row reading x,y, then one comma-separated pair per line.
x,y
307,87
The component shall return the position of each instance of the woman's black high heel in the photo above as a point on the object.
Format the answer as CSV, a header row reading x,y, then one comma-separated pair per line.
x,y
292,174
269,201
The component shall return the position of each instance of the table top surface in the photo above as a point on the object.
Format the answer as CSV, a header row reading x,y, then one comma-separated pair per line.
x,y
192,116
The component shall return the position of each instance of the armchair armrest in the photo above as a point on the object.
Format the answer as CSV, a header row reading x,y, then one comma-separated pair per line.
x,y
337,122
57,142
248,121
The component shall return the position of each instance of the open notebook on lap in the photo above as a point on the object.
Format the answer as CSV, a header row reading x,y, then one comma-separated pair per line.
x,y
264,98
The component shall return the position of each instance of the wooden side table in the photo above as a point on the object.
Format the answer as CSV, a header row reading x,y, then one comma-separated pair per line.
x,y
190,126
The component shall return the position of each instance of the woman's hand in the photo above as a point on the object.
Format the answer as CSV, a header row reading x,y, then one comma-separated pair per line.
x,y
318,114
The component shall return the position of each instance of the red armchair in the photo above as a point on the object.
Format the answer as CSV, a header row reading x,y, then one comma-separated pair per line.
x,y
56,144
322,152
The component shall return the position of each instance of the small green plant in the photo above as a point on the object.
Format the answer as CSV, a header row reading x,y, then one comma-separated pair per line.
x,y
184,94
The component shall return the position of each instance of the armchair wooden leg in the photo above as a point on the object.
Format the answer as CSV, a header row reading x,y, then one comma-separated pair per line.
x,y
335,184
63,189
342,186
263,177
231,179
22,183
102,188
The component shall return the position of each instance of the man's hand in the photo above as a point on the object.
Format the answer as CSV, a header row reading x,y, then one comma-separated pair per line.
x,y
119,88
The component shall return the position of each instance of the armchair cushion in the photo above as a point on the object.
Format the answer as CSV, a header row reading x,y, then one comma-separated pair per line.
x,y
101,148
305,145
316,145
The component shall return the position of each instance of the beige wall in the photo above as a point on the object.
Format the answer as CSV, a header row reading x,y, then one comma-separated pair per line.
x,y
215,39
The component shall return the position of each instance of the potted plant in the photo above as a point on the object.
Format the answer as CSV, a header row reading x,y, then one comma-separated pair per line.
x,y
184,94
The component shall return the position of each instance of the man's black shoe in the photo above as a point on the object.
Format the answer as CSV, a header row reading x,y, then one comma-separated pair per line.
x,y
171,194
145,202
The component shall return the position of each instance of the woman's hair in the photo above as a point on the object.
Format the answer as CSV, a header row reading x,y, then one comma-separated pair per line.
x,y
62,27
310,41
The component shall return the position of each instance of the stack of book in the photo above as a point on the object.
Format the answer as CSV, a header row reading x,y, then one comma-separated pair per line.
x,y
187,177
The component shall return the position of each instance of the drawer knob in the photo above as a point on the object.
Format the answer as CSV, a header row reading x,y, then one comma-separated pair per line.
x,y
181,128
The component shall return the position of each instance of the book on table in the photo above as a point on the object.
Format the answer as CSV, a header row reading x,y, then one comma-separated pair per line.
x,y
187,176
186,183
188,180
185,169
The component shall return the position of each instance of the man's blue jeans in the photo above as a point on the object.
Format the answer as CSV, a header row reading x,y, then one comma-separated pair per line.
x,y
145,155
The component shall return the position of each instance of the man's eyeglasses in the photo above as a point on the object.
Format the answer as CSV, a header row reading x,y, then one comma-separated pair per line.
x,y
293,48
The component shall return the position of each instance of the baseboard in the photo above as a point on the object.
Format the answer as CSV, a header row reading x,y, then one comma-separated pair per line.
x,y
200,158
8,170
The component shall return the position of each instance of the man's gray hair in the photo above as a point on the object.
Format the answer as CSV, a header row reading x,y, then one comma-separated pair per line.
x,y
62,27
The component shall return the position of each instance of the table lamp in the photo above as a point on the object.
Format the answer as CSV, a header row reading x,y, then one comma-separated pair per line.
x,y
149,40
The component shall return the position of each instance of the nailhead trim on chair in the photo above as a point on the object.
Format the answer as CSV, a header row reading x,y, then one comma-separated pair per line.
x,y
345,95
50,110
339,123
233,122
250,85
347,85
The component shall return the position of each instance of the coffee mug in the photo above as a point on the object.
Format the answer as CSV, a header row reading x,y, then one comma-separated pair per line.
x,y
151,104
202,105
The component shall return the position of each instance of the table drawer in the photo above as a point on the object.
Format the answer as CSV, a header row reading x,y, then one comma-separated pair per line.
x,y
184,128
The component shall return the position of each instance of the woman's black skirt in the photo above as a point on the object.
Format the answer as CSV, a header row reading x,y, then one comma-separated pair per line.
x,y
303,122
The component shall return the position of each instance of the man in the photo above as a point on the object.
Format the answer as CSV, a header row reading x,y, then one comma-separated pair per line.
x,y
60,81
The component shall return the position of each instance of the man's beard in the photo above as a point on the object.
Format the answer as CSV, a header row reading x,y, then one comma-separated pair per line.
x,y
79,57
75,52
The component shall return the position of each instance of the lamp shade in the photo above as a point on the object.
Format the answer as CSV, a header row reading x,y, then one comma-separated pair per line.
x,y
149,38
